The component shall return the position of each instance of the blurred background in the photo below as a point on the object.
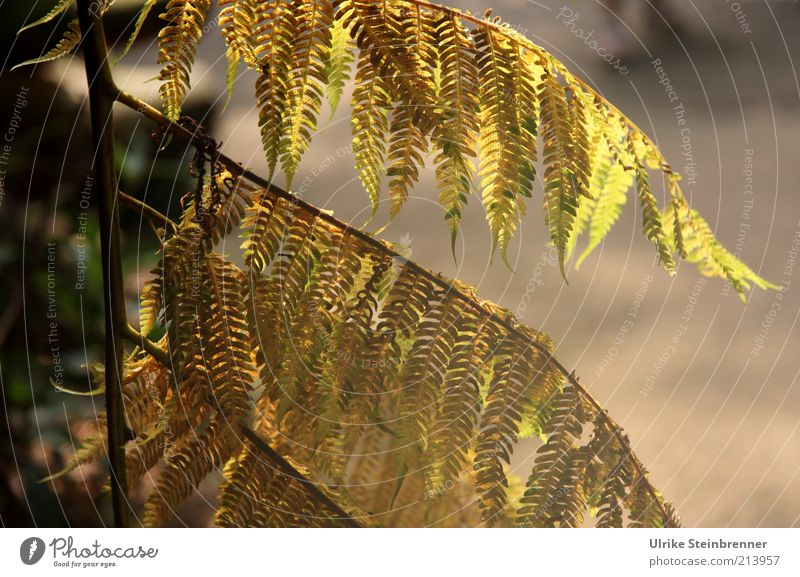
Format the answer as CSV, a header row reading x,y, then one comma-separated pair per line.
x,y
707,387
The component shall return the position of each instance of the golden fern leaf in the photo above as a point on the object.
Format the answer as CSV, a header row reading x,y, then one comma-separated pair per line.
x,y
350,338
384,32
256,493
91,449
205,452
309,326
369,121
696,241
607,481
642,505
407,146
461,400
225,337
177,44
181,293
561,183
237,23
651,214
144,11
237,502
274,32
609,189
555,461
398,320
59,8
501,155
455,134
423,373
68,42
515,373
311,46
151,301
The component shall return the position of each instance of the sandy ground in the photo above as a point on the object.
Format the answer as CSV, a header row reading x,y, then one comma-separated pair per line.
x,y
706,386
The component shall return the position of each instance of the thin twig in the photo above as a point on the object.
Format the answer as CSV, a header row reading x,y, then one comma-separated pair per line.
x,y
155,217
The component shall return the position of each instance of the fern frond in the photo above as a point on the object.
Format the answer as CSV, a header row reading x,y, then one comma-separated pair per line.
x,y
311,46
410,376
59,8
274,31
68,42
144,11
92,448
237,23
458,414
185,468
555,461
609,189
151,301
651,214
561,184
369,121
455,134
517,370
407,146
424,371
501,154
384,32
694,238
177,44
226,338
337,66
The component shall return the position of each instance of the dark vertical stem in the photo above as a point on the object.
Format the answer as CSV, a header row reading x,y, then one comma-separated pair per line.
x,y
101,100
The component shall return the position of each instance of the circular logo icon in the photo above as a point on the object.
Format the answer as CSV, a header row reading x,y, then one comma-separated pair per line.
x,y
31,550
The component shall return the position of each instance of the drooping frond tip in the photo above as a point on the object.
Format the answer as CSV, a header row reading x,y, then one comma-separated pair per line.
x,y
419,389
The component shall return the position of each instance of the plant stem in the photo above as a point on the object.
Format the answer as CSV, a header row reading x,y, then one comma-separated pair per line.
x,y
101,100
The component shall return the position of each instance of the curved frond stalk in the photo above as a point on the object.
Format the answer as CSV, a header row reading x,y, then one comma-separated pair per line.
x,y
306,78
68,42
177,44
